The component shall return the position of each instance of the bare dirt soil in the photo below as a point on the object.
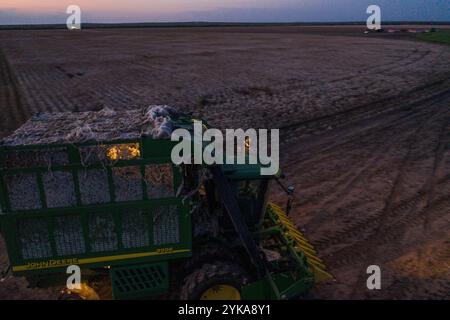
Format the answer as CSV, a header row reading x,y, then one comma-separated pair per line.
x,y
364,122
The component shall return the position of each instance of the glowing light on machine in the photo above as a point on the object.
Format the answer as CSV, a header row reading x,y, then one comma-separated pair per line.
x,y
248,142
123,152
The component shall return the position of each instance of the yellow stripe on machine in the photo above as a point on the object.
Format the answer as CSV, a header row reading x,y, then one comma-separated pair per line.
x,y
300,243
74,261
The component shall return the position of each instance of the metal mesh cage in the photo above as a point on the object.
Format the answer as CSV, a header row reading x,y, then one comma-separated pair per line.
x,y
135,230
127,183
34,238
69,238
59,189
159,180
93,154
35,234
166,225
23,191
94,187
36,158
114,200
69,182
102,232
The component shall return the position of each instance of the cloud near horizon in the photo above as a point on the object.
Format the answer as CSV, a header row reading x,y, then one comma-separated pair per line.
x,y
52,11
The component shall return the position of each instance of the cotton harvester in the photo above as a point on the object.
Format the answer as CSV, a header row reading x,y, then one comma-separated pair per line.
x,y
99,190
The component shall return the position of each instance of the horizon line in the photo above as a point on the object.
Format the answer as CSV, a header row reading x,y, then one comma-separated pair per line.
x,y
235,22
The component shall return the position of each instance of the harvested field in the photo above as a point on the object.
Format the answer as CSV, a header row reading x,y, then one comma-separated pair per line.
x,y
364,122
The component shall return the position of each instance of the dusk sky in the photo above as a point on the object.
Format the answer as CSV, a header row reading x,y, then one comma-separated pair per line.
x,y
53,11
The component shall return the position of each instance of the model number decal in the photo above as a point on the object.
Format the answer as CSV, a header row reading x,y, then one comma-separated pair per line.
x,y
164,250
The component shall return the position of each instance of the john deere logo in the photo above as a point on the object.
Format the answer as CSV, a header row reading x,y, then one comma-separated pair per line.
x,y
51,263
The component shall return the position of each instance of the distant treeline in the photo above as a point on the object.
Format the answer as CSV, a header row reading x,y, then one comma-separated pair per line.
x,y
207,24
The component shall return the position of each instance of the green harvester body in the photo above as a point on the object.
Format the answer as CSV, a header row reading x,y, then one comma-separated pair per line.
x,y
136,239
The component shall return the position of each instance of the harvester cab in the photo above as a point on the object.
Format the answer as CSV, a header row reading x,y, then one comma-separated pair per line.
x,y
99,190
258,236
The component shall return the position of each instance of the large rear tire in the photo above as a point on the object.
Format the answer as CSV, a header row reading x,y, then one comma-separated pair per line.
x,y
203,255
215,281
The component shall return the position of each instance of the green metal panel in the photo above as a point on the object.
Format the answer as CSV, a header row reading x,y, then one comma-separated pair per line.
x,y
277,286
47,239
246,171
139,281
294,275
260,290
91,254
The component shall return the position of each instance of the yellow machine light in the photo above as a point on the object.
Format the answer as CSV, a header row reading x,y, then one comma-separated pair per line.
x,y
248,142
123,152
113,153
134,151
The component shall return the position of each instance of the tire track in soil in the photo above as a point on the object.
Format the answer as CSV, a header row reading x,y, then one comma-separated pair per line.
x,y
408,213
405,207
352,254
420,95
382,144
430,213
343,183
278,92
432,208
360,136
324,147
405,218
347,181
361,228
395,123
356,136
371,245
438,159
379,68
